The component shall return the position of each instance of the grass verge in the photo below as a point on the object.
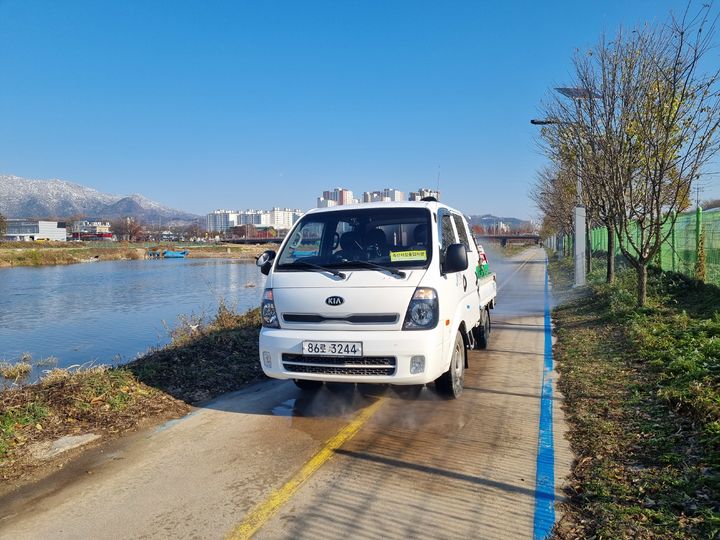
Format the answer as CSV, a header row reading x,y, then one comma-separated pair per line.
x,y
104,401
642,396
205,359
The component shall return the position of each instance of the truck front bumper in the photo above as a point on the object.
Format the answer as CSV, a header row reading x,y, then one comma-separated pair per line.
x,y
402,346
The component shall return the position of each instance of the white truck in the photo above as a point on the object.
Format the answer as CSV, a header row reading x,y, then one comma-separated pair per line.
x,y
381,293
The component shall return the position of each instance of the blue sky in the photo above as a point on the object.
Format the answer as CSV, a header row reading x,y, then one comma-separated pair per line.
x,y
206,104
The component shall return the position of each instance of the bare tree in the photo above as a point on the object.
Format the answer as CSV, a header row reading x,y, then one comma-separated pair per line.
x,y
193,230
644,134
554,194
589,133
127,229
3,225
673,126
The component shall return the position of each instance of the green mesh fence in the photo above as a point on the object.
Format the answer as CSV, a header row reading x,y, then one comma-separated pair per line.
x,y
711,231
679,253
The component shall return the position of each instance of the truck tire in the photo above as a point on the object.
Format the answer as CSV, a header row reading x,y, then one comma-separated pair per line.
x,y
308,386
482,332
450,383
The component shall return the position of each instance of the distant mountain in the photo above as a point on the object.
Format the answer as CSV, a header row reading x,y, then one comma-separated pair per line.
x,y
22,197
489,220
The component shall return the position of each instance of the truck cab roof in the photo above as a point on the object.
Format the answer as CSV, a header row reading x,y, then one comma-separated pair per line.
x,y
430,205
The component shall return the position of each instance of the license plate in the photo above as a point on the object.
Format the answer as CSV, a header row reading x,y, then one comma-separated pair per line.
x,y
332,348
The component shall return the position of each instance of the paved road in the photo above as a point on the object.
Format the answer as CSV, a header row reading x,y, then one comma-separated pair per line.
x,y
259,460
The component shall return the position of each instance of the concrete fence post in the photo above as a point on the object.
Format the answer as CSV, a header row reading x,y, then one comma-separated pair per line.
x,y
698,229
673,242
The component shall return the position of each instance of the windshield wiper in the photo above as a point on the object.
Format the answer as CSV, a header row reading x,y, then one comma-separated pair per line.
x,y
368,264
316,268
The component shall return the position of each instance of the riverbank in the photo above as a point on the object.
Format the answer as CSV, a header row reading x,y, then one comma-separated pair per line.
x,y
642,397
204,359
54,253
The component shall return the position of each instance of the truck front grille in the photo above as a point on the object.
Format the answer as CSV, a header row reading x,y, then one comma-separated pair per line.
x,y
340,365
374,318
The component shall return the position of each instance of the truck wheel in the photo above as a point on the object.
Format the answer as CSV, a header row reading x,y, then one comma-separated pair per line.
x,y
308,386
450,383
482,332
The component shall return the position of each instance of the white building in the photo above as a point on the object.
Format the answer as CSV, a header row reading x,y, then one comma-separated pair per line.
x,y
30,229
422,193
253,217
394,195
386,195
91,230
322,202
284,218
221,220
279,218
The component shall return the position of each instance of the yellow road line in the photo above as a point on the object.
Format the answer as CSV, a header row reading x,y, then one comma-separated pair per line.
x,y
260,515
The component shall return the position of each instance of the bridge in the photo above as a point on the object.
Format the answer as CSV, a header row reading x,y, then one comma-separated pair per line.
x,y
504,239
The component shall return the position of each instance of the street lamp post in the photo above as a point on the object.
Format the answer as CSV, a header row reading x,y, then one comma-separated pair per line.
x,y
579,213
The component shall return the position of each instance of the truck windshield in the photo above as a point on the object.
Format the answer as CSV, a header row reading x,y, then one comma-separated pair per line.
x,y
390,237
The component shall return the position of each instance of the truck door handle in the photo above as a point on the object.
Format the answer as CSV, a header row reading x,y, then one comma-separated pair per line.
x,y
464,283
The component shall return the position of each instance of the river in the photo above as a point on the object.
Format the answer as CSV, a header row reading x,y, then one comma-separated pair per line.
x,y
110,312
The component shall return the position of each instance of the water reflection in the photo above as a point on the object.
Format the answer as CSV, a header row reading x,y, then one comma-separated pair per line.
x,y
111,311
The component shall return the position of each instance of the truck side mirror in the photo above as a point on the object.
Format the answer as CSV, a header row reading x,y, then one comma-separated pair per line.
x,y
265,261
455,259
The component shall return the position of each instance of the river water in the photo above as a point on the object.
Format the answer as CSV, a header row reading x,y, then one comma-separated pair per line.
x,y
109,312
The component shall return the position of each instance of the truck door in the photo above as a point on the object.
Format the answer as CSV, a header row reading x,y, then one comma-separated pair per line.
x,y
471,296
451,291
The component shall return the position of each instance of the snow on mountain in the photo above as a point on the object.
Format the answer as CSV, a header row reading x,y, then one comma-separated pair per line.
x,y
23,197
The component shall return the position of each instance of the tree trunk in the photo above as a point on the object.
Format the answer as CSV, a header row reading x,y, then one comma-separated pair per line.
x,y
642,284
610,277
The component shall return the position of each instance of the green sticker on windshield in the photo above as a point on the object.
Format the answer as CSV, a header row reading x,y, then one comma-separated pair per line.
x,y
414,255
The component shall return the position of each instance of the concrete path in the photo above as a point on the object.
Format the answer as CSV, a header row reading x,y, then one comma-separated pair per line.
x,y
258,460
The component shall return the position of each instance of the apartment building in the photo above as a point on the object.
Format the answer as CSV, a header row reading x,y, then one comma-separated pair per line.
x,y
421,193
386,195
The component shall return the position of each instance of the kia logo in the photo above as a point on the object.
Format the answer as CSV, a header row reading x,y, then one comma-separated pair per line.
x,y
334,300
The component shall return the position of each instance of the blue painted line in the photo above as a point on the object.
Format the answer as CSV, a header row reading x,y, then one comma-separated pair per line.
x,y
544,517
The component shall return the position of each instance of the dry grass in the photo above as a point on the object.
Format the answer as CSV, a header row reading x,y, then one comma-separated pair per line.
x,y
71,254
229,251
99,400
205,358
15,372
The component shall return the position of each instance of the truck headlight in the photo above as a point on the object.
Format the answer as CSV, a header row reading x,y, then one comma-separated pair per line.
x,y
423,311
267,310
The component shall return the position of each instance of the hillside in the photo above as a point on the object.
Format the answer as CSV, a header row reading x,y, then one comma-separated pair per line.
x,y
23,197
